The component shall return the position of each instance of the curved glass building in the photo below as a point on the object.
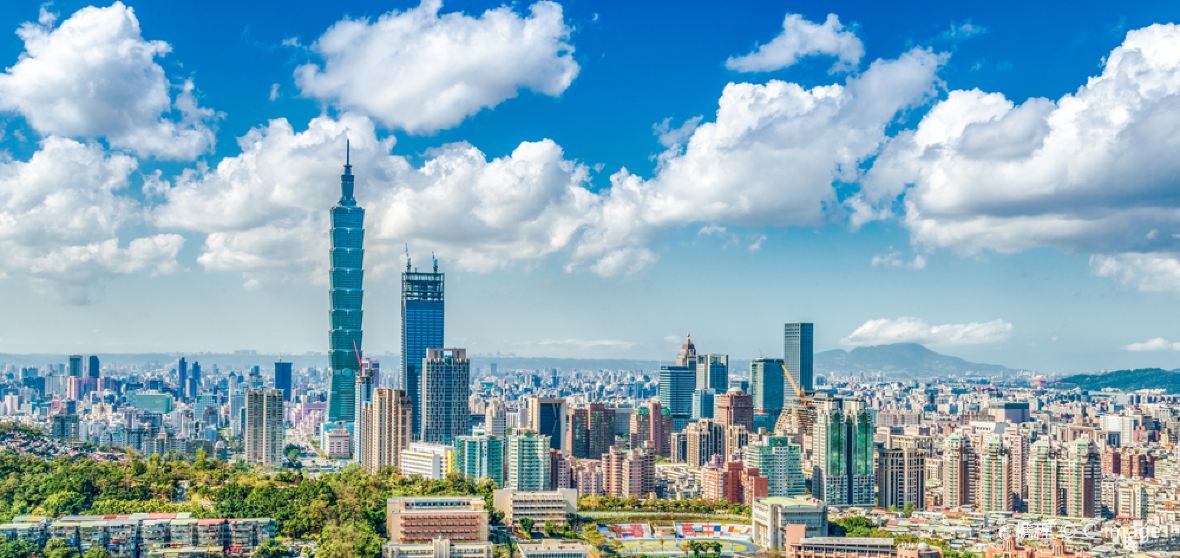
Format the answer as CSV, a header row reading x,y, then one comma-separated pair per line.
x,y
345,297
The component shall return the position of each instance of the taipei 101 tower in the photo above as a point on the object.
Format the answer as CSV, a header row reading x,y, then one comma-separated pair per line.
x,y
345,296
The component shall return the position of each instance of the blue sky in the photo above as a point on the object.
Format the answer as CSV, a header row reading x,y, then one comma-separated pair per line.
x,y
990,180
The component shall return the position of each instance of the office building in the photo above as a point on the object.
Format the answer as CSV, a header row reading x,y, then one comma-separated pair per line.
x,y
687,357
445,389
677,383
713,373
547,418
528,462
345,278
385,429
181,378
766,387
424,519
264,434
425,460
283,379
92,368
438,548
480,457
901,478
422,328
590,431
843,438
780,461
771,516
75,366
702,404
798,353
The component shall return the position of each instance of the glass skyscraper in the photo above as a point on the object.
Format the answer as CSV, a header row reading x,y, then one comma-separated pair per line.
x,y
345,293
422,328
766,386
446,386
283,379
797,356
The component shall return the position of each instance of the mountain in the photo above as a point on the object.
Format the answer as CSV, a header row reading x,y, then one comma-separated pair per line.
x,y
901,361
1127,380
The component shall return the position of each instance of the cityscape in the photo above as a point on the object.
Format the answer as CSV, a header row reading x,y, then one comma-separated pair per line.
x,y
877,443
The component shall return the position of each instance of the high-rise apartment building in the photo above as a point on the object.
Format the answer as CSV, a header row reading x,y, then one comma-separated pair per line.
x,y
480,457
446,386
629,473
843,437
384,422
1042,480
766,387
263,436
901,478
283,379
713,373
345,294
547,417
651,427
1081,475
734,408
798,353
994,487
959,471
779,460
528,462
423,304
496,419
705,439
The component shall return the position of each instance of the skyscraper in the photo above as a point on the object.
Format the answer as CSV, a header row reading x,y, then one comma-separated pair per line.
x,y
958,472
75,366
547,417
676,386
994,489
590,431
422,329
651,427
713,373
181,377
480,457
283,379
345,294
385,429
901,477
366,381
1043,493
843,438
797,357
92,368
496,418
766,385
194,380
1081,478
445,388
777,459
263,437
735,408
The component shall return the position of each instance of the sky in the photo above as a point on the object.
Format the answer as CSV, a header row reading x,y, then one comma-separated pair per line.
x,y
598,179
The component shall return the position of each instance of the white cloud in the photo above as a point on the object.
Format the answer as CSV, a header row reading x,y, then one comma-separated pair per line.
x,y
61,215
94,76
1093,171
1154,344
421,71
801,38
965,30
1150,272
914,330
265,210
894,259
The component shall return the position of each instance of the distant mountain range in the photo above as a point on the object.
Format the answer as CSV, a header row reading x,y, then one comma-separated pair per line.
x,y
1128,380
901,361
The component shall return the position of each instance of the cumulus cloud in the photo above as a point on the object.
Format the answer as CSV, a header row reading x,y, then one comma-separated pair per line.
x,y
95,76
265,210
62,213
422,71
1154,344
914,330
801,38
1093,171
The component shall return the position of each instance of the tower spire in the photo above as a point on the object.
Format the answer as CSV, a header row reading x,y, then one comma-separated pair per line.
x,y
347,156
346,179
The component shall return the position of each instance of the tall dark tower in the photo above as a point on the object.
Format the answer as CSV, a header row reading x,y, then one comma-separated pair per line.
x,y
345,293
422,328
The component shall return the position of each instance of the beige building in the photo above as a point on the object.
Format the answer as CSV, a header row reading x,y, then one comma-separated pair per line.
x,y
438,548
385,429
771,516
550,506
264,434
421,520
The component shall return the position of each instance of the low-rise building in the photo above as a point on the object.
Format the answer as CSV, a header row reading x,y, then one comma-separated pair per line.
x,y
550,506
553,549
772,516
422,520
438,548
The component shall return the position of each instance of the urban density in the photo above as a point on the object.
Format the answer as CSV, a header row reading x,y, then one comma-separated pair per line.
x,y
448,448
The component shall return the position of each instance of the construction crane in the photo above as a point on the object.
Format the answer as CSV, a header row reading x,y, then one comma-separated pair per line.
x,y
802,415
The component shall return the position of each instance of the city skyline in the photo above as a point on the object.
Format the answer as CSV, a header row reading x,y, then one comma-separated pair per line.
x,y
573,220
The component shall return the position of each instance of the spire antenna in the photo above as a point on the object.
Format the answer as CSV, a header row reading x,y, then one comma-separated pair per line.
x,y
347,152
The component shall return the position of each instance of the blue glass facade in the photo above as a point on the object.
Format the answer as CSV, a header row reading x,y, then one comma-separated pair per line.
x,y
798,351
283,379
676,386
345,297
422,329
766,385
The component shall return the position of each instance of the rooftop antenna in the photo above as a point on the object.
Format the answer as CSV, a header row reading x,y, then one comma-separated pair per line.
x,y
434,260
407,257
347,156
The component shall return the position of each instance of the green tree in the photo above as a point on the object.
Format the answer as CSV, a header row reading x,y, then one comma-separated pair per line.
x,y
96,552
57,548
348,540
17,549
271,548
527,524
